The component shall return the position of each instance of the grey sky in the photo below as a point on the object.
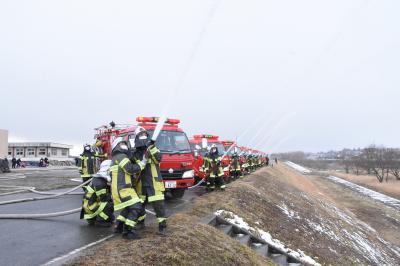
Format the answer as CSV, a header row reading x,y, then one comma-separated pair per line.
x,y
322,74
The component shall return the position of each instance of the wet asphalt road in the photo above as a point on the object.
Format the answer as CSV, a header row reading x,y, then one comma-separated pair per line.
x,y
35,242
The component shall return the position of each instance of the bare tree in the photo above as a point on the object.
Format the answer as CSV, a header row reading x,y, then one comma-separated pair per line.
x,y
393,161
376,160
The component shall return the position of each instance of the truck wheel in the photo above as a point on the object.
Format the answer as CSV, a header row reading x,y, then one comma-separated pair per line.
x,y
178,193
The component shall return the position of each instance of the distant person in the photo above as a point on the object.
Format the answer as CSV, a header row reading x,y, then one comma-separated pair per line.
x,y
76,161
41,162
19,162
13,162
276,160
46,161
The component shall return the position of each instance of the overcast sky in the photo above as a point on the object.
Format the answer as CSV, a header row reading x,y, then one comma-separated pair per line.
x,y
297,75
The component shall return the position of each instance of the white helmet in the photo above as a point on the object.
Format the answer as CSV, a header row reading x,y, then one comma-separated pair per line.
x,y
214,148
139,132
116,143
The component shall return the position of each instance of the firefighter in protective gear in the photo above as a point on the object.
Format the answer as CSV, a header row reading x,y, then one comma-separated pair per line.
x,y
97,207
89,162
250,161
216,173
206,168
149,184
236,170
124,195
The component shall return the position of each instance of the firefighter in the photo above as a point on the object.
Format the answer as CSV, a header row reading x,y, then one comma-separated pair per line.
x,y
97,203
124,195
98,153
250,162
235,164
87,163
150,184
244,164
206,169
216,173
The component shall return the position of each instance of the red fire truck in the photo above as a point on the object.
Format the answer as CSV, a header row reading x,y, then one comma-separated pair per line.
x,y
199,144
177,157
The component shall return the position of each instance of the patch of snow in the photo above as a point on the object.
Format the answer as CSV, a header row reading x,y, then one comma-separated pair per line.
x,y
389,201
299,168
323,229
291,214
365,247
394,249
238,221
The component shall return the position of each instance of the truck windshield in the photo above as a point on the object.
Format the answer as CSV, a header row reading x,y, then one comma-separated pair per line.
x,y
232,151
220,147
172,141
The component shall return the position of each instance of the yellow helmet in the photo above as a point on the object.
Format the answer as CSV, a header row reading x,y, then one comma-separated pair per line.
x,y
99,143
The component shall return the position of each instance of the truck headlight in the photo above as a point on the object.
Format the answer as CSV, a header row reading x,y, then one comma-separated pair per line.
x,y
188,174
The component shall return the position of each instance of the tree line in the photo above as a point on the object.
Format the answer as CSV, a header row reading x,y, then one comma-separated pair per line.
x,y
379,161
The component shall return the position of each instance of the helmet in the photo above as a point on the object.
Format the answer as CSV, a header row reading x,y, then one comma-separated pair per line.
x,y
119,144
213,149
87,148
141,136
104,171
99,143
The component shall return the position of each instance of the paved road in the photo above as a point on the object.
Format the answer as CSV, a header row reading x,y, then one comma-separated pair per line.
x,y
34,242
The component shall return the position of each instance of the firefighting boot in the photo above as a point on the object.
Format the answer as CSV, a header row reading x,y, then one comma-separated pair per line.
x,y
140,225
119,227
131,234
102,223
162,229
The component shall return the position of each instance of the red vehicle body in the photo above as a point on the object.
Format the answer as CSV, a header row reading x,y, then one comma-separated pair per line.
x,y
177,157
197,140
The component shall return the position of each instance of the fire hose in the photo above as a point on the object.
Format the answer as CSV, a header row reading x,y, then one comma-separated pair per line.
x,y
46,215
52,195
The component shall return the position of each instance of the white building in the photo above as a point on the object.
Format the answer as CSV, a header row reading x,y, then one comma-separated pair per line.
x,y
37,150
3,143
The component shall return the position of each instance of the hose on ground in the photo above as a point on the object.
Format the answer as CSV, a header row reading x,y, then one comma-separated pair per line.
x,y
39,215
20,189
198,184
47,197
46,215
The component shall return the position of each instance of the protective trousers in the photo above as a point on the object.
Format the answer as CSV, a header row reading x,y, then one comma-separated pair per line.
x,y
216,178
97,203
146,194
130,215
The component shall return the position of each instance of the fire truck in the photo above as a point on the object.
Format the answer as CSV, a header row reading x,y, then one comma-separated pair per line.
x,y
199,144
177,157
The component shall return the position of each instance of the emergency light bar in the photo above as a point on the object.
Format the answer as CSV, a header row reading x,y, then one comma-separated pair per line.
x,y
153,119
205,136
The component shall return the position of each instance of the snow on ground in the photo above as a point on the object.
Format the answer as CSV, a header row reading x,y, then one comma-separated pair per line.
x,y
234,219
389,201
359,235
299,168
290,213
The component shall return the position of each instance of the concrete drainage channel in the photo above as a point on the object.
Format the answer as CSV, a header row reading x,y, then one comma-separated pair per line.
x,y
258,245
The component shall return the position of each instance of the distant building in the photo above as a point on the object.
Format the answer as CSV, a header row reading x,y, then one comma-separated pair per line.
x,y
37,150
3,143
